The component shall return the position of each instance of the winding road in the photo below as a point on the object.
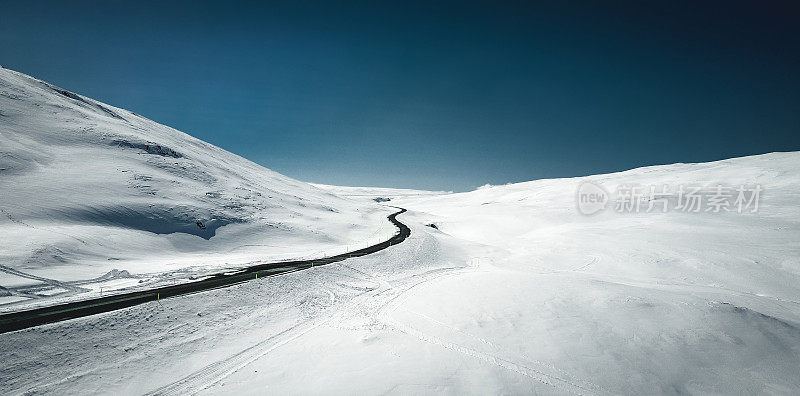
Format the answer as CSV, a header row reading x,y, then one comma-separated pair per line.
x,y
56,313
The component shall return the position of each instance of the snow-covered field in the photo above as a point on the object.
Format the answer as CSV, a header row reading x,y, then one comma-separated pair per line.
x,y
98,198
506,289
377,194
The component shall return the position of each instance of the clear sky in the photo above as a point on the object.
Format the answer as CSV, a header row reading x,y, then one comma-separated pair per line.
x,y
434,95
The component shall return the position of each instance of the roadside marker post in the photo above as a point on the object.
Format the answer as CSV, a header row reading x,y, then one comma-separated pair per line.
x,y
158,300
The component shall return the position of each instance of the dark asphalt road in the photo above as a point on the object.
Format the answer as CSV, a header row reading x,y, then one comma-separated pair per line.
x,y
56,313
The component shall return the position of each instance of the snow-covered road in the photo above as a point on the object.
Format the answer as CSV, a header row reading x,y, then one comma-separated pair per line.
x,y
121,299
197,341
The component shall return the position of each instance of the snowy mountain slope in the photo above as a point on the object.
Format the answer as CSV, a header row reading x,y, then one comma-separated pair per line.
x,y
88,188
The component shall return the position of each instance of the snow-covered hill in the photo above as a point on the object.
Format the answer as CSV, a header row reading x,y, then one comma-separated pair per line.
x,y
756,249
663,299
94,192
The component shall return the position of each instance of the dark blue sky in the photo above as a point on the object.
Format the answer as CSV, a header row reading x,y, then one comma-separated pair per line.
x,y
436,95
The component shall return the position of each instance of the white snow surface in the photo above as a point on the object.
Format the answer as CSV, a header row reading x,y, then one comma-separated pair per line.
x,y
513,292
96,197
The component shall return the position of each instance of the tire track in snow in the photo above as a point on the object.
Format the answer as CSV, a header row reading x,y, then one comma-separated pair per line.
x,y
563,382
51,282
216,372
